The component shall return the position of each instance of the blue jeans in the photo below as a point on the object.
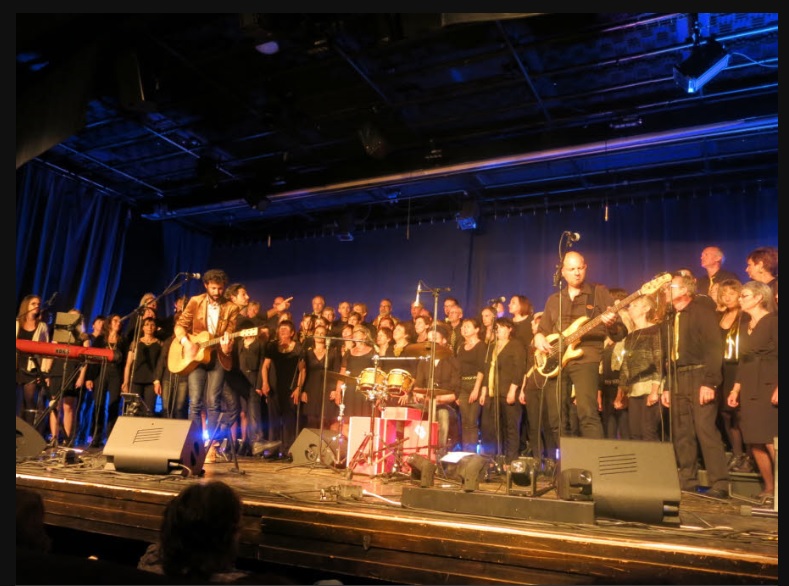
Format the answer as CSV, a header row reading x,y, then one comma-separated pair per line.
x,y
205,389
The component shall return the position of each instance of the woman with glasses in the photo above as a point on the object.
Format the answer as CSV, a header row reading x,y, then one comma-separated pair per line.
x,y
756,386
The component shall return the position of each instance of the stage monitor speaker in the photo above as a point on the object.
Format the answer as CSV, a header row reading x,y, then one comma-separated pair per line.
x,y
29,443
155,445
631,480
305,449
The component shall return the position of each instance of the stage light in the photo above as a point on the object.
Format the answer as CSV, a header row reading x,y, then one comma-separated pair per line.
x,y
521,473
422,470
468,216
707,59
574,484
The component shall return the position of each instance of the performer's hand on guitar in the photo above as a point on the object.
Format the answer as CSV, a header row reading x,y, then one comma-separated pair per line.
x,y
541,343
189,348
225,343
609,317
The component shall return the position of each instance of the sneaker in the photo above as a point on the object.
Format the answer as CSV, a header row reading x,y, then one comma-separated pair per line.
x,y
259,448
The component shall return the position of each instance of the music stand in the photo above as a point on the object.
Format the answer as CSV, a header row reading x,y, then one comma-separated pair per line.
x,y
66,328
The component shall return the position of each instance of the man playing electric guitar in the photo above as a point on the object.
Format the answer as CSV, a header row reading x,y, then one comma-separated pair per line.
x,y
582,359
208,312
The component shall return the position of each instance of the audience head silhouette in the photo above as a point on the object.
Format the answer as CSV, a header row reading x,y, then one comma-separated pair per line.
x,y
200,531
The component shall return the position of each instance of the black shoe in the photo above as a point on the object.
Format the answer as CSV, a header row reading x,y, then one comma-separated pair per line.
x,y
717,493
260,448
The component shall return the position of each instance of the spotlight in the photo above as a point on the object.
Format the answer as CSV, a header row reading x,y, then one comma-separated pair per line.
x,y
574,484
422,470
468,216
270,47
707,59
521,474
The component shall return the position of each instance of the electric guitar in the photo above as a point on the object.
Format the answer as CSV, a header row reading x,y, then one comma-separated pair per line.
x,y
547,363
179,363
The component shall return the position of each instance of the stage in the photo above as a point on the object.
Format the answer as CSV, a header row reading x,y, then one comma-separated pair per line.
x,y
389,528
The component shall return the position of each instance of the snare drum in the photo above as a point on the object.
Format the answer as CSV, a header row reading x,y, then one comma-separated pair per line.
x,y
399,382
370,378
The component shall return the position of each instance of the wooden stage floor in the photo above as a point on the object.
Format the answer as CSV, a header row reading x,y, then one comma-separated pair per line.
x,y
387,528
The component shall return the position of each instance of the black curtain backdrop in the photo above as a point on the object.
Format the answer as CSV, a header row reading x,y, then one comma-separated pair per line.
x,y
91,249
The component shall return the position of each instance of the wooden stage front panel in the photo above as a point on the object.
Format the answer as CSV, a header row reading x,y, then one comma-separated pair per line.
x,y
315,516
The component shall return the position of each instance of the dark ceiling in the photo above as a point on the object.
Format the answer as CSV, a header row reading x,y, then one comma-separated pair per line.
x,y
380,119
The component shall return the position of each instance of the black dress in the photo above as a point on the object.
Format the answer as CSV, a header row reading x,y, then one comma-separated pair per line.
x,y
757,374
283,375
313,386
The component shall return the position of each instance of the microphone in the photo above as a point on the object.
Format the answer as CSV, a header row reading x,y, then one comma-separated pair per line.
x,y
195,276
495,300
418,291
573,236
51,300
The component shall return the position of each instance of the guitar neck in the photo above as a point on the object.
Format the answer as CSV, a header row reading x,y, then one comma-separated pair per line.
x,y
215,341
593,323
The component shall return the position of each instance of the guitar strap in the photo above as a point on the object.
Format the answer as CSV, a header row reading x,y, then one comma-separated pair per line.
x,y
590,307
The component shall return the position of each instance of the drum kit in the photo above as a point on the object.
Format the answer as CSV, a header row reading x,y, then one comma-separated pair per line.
x,y
378,386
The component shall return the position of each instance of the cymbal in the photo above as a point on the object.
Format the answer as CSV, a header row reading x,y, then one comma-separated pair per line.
x,y
336,376
426,348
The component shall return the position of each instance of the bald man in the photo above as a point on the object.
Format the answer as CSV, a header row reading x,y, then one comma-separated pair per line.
x,y
578,299
712,259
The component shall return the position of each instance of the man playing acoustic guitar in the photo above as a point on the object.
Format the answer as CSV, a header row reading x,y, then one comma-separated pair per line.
x,y
580,302
206,320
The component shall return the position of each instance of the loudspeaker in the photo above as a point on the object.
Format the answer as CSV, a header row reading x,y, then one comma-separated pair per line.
x,y
305,449
29,442
631,480
154,445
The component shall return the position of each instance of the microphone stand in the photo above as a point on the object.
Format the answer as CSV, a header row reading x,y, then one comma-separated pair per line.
x,y
557,282
174,285
431,377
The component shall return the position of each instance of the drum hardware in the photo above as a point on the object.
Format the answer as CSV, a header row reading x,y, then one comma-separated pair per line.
x,y
399,382
370,379
374,391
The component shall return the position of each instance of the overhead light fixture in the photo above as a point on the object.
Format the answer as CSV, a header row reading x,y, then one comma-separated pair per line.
x,y
707,59
258,202
468,216
344,227
267,47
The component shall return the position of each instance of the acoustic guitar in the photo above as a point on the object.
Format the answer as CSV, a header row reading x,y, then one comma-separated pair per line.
x,y
179,363
547,363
